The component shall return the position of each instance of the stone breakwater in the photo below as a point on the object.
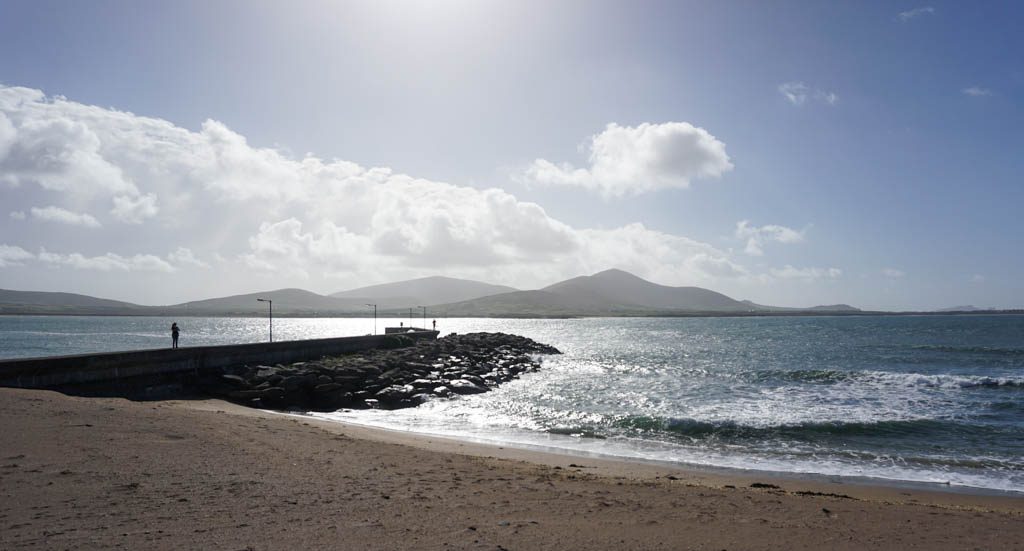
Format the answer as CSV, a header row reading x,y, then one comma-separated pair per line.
x,y
404,374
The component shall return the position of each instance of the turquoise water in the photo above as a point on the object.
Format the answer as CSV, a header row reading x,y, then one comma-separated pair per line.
x,y
934,399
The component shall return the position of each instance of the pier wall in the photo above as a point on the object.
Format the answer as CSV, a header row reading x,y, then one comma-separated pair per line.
x,y
86,369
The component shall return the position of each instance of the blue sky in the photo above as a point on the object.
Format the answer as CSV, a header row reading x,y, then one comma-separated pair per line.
x,y
792,153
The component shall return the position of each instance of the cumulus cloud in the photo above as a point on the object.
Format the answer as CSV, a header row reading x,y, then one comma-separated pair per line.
x,y
183,256
17,215
976,91
327,224
798,93
62,216
630,160
756,237
108,262
13,256
789,272
893,273
916,12
134,210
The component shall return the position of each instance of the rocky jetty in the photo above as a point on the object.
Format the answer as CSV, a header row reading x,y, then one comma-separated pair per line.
x,y
405,373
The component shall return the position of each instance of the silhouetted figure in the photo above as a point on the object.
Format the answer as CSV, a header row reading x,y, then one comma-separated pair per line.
x,y
435,325
174,335
401,324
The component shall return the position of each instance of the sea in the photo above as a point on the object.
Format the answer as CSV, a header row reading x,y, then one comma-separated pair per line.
x,y
920,400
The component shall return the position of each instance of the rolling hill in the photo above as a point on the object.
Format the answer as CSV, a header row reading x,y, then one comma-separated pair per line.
x,y
608,293
286,302
624,288
42,302
427,291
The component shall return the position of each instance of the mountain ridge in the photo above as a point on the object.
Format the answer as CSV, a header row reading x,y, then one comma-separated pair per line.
x,y
611,292
425,291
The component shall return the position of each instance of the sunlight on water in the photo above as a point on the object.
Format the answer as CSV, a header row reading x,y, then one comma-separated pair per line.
x,y
930,399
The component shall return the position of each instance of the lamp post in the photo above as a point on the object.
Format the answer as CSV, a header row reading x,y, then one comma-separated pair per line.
x,y
270,304
374,318
410,318
424,317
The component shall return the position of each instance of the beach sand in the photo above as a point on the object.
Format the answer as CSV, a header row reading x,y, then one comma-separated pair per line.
x,y
98,473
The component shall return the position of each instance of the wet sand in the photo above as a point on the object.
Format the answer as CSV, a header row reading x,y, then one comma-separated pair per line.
x,y
88,473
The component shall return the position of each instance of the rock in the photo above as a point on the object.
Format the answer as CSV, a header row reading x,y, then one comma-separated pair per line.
x,y
420,398
245,394
273,393
442,391
462,386
328,387
424,383
235,380
393,394
403,374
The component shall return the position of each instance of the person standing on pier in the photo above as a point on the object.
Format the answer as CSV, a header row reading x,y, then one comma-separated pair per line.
x,y
174,335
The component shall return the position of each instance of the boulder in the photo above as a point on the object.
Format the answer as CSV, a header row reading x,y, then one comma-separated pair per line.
x,y
462,386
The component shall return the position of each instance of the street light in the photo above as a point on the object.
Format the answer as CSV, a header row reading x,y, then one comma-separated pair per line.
x,y
424,317
410,318
270,303
374,318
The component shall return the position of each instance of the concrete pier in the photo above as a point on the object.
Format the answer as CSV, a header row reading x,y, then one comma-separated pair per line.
x,y
87,369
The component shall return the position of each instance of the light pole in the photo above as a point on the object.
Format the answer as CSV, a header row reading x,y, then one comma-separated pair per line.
x,y
424,317
374,318
410,318
270,304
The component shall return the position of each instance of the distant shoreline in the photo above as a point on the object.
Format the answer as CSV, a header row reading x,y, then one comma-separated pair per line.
x,y
401,316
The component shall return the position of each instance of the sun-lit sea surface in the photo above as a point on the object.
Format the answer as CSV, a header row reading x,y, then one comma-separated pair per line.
x,y
926,398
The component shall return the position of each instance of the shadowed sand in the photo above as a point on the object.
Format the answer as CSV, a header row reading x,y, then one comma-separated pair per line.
x,y
79,473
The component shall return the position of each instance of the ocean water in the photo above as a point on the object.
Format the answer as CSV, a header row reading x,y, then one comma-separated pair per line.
x,y
924,399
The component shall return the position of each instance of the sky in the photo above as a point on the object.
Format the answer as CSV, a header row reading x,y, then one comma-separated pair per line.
x,y
789,153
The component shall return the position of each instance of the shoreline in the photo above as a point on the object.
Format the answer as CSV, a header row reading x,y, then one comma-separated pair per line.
x,y
553,455
110,473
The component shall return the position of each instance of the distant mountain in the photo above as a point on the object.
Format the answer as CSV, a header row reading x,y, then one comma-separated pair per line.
x,y
822,308
608,293
833,308
967,308
41,302
286,302
624,288
427,291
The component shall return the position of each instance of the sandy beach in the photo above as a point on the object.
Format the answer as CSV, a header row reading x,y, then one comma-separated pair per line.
x,y
88,473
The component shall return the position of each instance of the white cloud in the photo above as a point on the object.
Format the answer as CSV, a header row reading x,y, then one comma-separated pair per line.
x,y
260,216
976,91
108,262
134,210
893,273
978,278
756,237
17,215
57,214
826,97
630,160
13,256
797,93
184,256
789,272
667,258
916,12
